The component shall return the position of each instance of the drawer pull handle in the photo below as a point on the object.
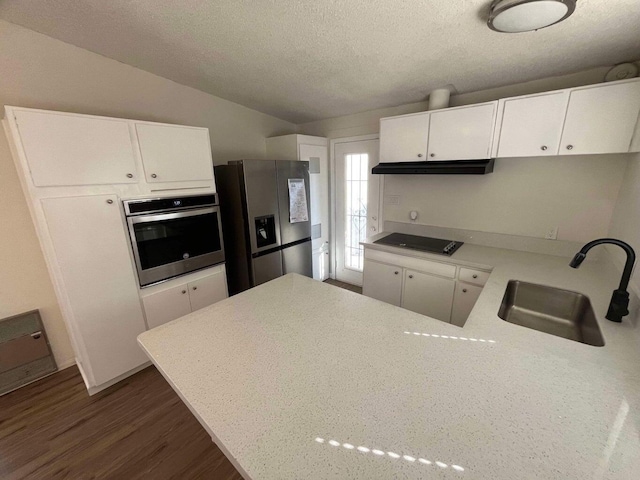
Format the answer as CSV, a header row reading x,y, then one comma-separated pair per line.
x,y
195,288
395,273
543,148
475,276
419,155
153,175
36,335
129,175
410,276
184,291
569,147
464,290
109,201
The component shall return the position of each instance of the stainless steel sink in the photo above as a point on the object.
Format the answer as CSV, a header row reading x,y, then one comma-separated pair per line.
x,y
551,310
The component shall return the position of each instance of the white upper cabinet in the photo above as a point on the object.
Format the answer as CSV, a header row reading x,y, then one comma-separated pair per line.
x,y
172,153
601,119
531,126
64,149
463,133
404,139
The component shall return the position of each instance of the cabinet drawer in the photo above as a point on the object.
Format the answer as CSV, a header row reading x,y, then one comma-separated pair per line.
x,y
436,268
477,277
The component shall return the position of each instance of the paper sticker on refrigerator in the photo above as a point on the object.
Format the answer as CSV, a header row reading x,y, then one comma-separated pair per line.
x,y
298,211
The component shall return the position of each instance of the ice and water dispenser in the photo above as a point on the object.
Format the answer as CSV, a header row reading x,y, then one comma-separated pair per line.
x,y
265,231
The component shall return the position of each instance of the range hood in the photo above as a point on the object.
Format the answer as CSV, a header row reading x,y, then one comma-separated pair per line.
x,y
454,167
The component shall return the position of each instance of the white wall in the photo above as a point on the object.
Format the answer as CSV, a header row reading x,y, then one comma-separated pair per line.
x,y
523,196
625,223
40,72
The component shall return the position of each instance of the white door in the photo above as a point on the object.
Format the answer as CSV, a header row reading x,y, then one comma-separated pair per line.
x,y
167,305
428,295
532,125
357,205
318,160
382,282
175,153
462,133
90,243
65,149
208,290
463,301
404,139
601,119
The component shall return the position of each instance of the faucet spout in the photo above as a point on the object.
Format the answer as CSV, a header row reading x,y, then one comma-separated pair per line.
x,y
618,307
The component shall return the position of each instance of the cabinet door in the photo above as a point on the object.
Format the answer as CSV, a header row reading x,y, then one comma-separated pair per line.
x,y
463,302
208,290
404,139
428,295
167,305
316,155
90,244
601,119
532,125
64,149
175,153
383,282
462,133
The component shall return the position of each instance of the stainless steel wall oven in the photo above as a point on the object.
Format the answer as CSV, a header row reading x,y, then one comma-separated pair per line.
x,y
174,236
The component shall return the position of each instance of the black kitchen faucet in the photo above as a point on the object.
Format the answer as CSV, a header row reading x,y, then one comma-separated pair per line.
x,y
618,307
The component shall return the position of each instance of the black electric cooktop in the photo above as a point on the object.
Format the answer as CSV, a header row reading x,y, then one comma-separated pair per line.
x,y
424,244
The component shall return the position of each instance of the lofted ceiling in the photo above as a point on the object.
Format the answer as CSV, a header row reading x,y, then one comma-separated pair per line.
x,y
302,60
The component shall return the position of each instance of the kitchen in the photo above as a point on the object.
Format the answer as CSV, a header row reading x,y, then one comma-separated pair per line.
x,y
512,208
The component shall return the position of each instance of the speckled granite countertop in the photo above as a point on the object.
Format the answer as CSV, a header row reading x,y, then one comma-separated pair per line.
x,y
298,379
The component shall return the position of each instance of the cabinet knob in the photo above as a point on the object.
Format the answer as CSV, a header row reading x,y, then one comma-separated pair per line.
x,y
184,291
464,290
432,154
475,276
420,155
153,175
569,147
195,288
396,273
410,276
109,201
129,175
543,148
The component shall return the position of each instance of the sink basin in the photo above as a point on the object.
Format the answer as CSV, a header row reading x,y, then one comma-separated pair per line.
x,y
551,310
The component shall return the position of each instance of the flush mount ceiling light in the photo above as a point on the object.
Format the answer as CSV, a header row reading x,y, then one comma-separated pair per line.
x,y
514,16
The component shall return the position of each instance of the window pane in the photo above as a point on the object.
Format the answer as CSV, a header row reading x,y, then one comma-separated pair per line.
x,y
356,169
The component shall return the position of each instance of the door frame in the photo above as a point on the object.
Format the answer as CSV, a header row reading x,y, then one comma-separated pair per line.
x,y
333,258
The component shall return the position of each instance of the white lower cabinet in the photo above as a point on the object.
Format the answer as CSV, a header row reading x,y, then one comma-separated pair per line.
x,y
463,302
428,294
436,289
169,302
383,282
208,290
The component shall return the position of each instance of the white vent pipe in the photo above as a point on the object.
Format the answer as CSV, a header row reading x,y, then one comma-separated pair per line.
x,y
439,98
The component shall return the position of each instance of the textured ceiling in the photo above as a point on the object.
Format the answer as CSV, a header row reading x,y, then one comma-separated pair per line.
x,y
306,60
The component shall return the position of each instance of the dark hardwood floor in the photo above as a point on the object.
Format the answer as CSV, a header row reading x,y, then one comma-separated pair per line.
x,y
346,286
137,429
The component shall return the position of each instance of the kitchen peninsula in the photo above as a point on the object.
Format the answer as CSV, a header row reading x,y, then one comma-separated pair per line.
x,y
299,379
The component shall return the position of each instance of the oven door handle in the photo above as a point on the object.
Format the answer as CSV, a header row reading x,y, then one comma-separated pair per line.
x,y
173,215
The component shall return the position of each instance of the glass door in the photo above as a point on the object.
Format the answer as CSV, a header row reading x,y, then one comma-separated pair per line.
x,y
357,205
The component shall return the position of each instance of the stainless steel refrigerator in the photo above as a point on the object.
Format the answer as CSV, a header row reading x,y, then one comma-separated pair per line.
x,y
265,211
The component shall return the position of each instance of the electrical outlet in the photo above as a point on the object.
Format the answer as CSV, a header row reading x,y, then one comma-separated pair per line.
x,y
552,233
393,200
